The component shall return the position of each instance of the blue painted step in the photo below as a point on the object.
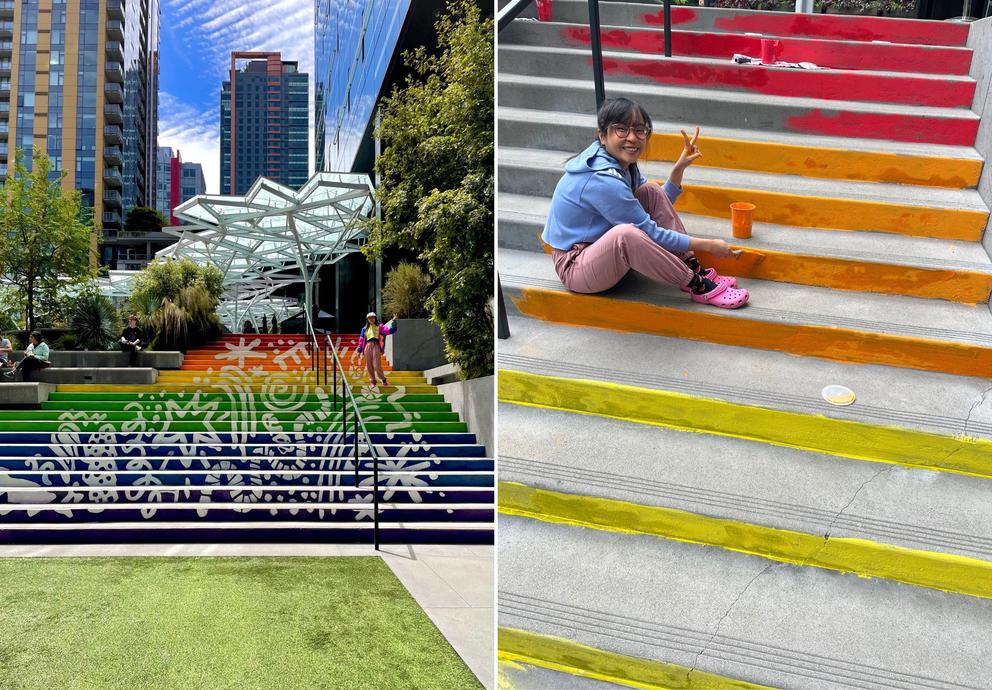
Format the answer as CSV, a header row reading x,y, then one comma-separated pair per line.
x,y
437,476
296,511
165,495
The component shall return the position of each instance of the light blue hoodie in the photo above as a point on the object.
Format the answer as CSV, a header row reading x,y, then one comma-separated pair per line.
x,y
597,193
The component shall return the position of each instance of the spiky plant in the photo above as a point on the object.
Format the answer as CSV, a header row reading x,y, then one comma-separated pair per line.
x,y
94,321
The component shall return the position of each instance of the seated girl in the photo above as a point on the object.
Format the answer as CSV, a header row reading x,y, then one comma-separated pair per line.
x,y
606,218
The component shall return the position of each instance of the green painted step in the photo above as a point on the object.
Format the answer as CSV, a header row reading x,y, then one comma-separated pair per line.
x,y
134,426
229,405
156,396
197,415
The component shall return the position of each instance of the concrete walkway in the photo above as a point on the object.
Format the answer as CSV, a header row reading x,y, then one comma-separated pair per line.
x,y
453,584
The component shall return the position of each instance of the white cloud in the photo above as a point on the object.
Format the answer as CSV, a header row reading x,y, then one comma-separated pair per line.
x,y
195,134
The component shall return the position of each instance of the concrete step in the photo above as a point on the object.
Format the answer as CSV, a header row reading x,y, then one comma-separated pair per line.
x,y
758,112
235,406
942,91
824,52
737,616
797,319
778,24
918,401
220,417
242,479
138,441
26,454
260,424
952,214
237,388
838,158
745,481
843,260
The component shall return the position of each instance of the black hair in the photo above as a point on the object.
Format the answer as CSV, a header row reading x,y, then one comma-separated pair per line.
x,y
37,336
621,111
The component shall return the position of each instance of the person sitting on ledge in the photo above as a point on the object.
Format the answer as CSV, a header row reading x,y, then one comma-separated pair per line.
x,y
132,340
6,350
35,357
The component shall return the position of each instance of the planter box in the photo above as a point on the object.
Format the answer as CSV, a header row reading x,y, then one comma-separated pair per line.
x,y
17,394
474,401
416,345
93,359
104,375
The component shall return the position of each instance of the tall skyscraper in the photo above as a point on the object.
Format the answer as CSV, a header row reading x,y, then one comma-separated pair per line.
x,y
163,180
264,123
79,80
176,182
192,181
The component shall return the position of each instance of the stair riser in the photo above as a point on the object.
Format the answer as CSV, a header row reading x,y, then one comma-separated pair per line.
x,y
257,493
706,109
13,484
236,388
61,468
966,287
154,534
147,407
778,24
788,209
139,426
811,161
767,81
825,342
296,439
204,398
834,54
251,512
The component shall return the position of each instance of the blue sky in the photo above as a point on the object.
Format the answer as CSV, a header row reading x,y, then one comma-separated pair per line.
x,y
197,38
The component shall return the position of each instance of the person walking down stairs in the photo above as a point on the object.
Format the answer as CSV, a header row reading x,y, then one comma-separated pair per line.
x,y
606,218
371,344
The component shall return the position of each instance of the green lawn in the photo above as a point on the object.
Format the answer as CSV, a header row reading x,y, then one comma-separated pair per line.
x,y
217,623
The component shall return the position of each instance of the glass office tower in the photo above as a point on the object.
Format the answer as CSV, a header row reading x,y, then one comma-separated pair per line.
x,y
79,80
265,122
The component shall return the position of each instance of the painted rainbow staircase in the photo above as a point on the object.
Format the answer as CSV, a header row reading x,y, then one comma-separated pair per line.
x,y
242,444
709,519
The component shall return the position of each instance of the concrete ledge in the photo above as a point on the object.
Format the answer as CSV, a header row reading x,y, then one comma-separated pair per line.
x,y
119,375
474,400
446,373
110,358
416,345
13,394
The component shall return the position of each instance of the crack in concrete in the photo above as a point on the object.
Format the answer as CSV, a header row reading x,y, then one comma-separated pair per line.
x,y
826,538
716,628
978,404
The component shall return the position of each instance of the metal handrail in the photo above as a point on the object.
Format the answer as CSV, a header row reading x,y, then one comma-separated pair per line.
x,y
359,424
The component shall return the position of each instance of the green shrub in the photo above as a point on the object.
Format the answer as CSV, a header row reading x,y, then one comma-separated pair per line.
x,y
94,321
66,342
177,300
406,291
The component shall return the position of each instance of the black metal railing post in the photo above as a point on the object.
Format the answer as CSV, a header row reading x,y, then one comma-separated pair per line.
x,y
502,323
375,501
668,28
597,52
334,389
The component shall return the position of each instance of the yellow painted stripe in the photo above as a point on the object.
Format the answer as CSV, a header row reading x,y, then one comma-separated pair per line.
x,y
825,342
836,214
814,161
946,572
557,654
965,287
856,440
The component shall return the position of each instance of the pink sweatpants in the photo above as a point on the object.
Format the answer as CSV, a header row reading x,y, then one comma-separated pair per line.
x,y
373,361
599,266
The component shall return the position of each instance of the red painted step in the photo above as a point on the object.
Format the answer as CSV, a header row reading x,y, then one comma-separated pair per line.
x,y
796,83
842,27
851,55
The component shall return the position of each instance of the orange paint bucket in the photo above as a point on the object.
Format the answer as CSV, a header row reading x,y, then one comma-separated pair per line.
x,y
741,213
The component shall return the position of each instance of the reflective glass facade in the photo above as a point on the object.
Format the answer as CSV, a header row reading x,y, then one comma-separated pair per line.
x,y
354,45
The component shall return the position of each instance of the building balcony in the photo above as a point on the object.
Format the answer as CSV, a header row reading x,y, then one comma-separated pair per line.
x,y
113,155
111,218
115,9
113,92
3,151
115,51
114,72
113,113
112,198
4,107
6,47
5,85
5,65
6,28
112,177
115,29
113,134
4,127
7,9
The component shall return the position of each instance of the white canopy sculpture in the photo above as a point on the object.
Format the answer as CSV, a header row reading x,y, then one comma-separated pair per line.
x,y
273,236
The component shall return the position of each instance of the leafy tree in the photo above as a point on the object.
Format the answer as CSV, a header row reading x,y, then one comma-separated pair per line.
x,y
144,219
46,238
436,176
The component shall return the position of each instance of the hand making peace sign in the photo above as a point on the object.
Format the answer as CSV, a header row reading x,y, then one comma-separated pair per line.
x,y
690,152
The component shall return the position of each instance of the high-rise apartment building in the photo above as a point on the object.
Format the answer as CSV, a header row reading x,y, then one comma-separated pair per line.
x,y
79,80
191,182
176,182
163,181
264,123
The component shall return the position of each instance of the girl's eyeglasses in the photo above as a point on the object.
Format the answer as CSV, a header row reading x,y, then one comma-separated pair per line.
x,y
623,130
